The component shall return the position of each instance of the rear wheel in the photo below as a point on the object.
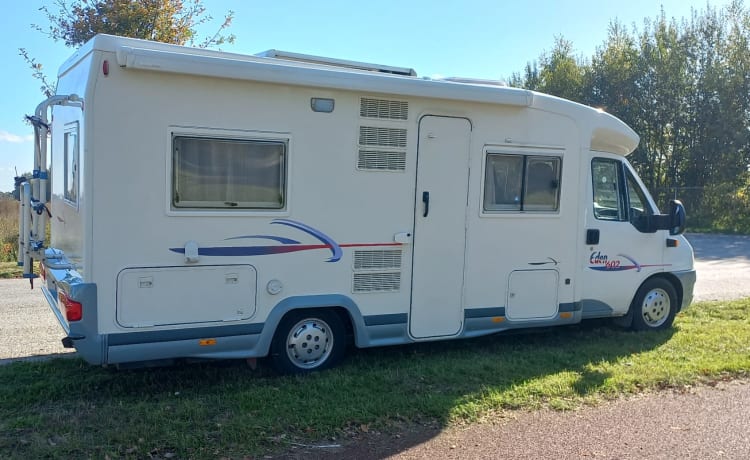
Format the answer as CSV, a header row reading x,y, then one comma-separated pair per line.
x,y
308,341
654,306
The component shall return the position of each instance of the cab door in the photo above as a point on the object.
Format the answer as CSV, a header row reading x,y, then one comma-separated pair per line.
x,y
620,251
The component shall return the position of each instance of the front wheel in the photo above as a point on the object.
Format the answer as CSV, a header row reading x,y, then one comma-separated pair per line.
x,y
307,341
654,306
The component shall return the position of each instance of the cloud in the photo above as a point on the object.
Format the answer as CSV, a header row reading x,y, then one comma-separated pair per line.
x,y
5,136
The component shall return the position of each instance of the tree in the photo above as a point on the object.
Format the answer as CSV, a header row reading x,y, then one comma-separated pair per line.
x,y
559,73
684,87
169,21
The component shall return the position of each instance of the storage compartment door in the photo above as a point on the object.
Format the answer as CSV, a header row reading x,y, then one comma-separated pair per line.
x,y
532,294
162,296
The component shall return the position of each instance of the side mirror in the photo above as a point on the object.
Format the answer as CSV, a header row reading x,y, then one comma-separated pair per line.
x,y
674,221
676,217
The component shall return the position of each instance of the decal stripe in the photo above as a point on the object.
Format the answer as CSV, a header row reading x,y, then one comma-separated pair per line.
x,y
335,248
287,244
384,320
626,267
238,251
368,245
280,239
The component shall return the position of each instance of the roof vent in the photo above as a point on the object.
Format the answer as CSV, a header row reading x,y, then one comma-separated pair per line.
x,y
475,81
320,60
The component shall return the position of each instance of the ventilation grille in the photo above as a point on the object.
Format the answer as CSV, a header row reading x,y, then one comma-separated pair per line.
x,y
377,282
377,259
383,137
377,270
383,109
380,160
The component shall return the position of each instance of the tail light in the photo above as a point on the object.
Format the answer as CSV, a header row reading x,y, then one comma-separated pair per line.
x,y
73,309
43,271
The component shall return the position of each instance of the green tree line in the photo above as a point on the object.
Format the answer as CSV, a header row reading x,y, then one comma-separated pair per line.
x,y
684,87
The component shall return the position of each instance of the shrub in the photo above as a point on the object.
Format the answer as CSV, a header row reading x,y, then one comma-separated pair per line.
x,y
8,230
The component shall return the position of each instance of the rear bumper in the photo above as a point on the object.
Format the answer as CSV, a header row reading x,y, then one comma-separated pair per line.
x,y
82,335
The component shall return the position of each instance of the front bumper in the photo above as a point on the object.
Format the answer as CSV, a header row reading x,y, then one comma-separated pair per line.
x,y
687,280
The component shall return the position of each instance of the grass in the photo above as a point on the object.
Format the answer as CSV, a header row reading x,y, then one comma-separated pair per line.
x,y
67,409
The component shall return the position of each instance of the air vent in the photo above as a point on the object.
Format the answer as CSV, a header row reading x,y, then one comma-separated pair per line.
x,y
377,282
377,259
383,137
383,109
380,160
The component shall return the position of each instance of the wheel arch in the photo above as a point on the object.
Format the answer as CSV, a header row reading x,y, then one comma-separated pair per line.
x,y
671,279
341,305
627,320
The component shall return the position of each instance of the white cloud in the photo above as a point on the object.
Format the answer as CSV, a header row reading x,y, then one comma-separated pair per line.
x,y
5,136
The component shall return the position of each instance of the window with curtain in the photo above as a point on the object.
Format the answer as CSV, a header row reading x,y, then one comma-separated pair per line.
x,y
521,183
228,173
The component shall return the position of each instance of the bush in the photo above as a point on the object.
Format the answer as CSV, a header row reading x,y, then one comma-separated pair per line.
x,y
8,230
723,208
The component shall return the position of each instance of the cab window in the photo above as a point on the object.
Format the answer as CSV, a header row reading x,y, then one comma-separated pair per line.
x,y
618,196
606,175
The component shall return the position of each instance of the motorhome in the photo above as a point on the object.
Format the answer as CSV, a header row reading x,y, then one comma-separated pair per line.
x,y
204,204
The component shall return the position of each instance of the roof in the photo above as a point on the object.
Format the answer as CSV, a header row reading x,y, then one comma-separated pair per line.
x,y
607,132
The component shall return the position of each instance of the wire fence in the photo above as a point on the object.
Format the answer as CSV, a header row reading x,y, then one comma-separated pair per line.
x,y
722,207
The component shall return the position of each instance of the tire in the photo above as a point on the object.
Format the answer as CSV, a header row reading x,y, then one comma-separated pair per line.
x,y
654,306
307,341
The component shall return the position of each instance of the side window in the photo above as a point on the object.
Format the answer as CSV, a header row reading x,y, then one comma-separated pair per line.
x,y
71,154
209,173
606,177
638,203
521,183
502,188
542,184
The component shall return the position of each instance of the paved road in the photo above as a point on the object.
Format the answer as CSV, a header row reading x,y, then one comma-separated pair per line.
x,y
723,265
29,330
700,423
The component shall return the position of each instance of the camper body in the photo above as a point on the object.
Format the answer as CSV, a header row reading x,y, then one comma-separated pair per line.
x,y
211,205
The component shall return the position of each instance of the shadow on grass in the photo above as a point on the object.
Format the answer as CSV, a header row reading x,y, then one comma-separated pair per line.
x,y
204,410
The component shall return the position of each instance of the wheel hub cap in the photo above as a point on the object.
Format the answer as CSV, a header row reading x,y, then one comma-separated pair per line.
x,y
655,307
309,343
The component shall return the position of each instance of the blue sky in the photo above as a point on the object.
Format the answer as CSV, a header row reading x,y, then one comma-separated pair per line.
x,y
469,38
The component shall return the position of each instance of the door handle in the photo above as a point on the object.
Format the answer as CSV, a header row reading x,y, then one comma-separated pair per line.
x,y
592,236
426,201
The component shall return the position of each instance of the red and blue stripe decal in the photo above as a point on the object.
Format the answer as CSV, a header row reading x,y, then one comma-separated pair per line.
x,y
603,263
287,244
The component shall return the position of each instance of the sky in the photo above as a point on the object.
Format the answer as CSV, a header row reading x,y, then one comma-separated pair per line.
x,y
488,39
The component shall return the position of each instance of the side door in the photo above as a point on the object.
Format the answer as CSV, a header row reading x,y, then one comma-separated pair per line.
x,y
620,252
440,227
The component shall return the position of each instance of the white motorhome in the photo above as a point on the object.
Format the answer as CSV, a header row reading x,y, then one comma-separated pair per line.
x,y
214,205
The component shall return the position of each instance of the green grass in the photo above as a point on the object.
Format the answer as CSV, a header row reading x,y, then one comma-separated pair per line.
x,y
68,409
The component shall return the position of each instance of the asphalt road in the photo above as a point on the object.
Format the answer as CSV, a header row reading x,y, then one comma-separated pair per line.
x,y
723,266
697,423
